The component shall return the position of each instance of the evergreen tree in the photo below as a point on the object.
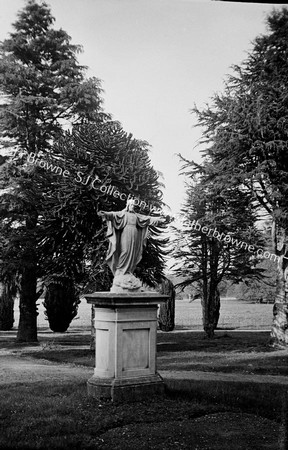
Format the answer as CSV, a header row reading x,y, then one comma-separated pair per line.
x,y
61,303
260,291
104,167
49,212
247,135
44,89
213,245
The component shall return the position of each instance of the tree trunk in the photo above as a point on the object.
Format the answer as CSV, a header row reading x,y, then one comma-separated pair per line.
x,y
93,334
166,317
279,331
217,309
210,311
27,328
6,307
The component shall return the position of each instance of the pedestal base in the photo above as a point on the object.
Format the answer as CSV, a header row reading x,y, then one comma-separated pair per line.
x,y
125,391
125,346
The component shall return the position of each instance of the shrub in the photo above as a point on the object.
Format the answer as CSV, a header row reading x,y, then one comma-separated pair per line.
x,y
61,303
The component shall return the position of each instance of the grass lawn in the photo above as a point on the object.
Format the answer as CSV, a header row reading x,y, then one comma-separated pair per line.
x,y
234,314
243,352
49,416
60,415
45,415
229,352
52,415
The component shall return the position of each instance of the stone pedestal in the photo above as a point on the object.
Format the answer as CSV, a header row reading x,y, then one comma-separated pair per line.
x,y
125,346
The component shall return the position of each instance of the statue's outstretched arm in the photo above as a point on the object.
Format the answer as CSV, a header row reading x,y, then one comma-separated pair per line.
x,y
108,215
156,220
151,220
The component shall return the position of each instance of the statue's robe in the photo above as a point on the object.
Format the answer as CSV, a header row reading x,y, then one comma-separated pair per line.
x,y
127,234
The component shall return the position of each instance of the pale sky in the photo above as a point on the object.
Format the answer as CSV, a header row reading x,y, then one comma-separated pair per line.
x,y
156,59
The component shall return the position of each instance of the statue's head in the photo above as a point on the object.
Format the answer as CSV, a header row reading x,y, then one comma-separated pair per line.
x,y
130,205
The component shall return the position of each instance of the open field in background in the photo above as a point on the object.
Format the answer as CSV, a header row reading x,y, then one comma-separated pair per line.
x,y
234,314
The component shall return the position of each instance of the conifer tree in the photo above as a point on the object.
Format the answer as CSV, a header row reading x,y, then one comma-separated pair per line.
x,y
212,245
247,136
43,88
104,167
49,206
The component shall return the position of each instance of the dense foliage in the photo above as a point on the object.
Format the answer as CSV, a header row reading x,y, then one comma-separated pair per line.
x,y
61,303
43,89
52,178
213,245
246,135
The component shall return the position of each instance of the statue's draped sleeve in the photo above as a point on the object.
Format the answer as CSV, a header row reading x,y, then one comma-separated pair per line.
x,y
143,222
116,221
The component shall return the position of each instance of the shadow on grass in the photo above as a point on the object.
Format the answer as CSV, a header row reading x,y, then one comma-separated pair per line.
x,y
277,366
243,353
233,352
82,357
46,337
222,342
229,352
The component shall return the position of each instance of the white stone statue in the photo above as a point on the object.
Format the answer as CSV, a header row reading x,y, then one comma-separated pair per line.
x,y
127,234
